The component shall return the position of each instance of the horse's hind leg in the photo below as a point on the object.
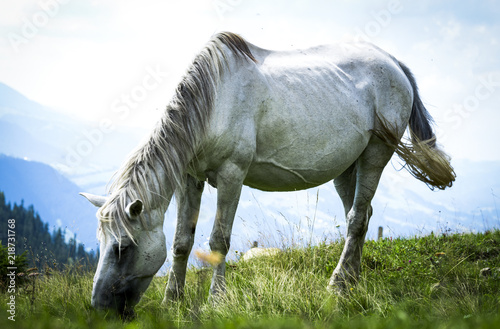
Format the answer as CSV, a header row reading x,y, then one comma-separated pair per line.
x,y
188,206
357,189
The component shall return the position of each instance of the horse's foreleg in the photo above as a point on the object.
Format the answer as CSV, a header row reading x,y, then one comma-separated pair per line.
x,y
367,173
229,182
188,207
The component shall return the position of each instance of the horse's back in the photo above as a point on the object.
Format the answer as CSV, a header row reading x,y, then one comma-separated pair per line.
x,y
328,73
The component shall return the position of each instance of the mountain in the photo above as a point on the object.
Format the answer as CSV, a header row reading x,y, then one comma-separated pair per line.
x,y
63,156
76,148
55,198
471,204
31,130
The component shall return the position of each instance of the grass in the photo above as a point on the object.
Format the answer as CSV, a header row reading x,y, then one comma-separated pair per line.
x,y
426,282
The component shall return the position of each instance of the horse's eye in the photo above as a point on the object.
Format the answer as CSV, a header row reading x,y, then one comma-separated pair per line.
x,y
119,250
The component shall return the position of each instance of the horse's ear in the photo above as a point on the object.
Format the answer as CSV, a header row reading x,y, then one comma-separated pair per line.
x,y
134,209
96,200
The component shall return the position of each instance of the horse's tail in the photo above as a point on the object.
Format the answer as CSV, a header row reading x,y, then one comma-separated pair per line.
x,y
424,160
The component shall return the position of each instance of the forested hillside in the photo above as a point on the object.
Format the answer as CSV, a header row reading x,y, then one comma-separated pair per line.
x,y
44,248
55,198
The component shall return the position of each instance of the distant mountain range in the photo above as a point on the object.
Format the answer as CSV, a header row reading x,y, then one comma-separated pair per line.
x,y
54,197
77,149
37,143
41,162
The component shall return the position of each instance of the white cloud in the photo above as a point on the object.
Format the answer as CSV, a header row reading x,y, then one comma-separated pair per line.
x,y
450,30
400,222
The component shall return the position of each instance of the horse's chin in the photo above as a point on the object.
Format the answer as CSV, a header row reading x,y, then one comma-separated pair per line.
x,y
126,312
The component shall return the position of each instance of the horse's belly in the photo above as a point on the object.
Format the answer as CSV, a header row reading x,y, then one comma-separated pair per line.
x,y
293,168
274,177
310,150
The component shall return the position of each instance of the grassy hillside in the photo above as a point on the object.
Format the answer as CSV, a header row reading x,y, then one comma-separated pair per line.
x,y
428,282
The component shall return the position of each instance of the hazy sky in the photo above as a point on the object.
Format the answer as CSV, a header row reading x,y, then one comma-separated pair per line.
x,y
88,58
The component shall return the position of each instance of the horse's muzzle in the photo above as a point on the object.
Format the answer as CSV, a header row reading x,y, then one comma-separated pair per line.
x,y
120,297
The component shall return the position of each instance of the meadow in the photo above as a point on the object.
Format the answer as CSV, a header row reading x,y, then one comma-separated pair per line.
x,y
434,281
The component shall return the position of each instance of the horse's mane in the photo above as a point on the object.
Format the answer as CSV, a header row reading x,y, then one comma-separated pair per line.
x,y
173,143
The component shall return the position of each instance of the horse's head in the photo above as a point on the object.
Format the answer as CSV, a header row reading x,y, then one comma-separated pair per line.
x,y
132,250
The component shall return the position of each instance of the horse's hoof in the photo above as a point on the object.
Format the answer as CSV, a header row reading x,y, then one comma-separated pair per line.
x,y
337,289
338,285
172,296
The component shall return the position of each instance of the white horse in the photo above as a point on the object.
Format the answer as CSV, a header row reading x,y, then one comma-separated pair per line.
x,y
271,120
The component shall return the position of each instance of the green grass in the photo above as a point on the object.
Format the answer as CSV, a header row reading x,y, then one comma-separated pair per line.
x,y
427,282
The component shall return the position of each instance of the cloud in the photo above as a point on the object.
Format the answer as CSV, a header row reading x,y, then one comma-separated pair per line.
x,y
400,222
450,30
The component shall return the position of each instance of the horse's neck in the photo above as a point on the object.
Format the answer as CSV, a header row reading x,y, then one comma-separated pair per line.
x,y
157,189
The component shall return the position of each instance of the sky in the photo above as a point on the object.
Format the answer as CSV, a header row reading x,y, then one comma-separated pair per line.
x,y
121,60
